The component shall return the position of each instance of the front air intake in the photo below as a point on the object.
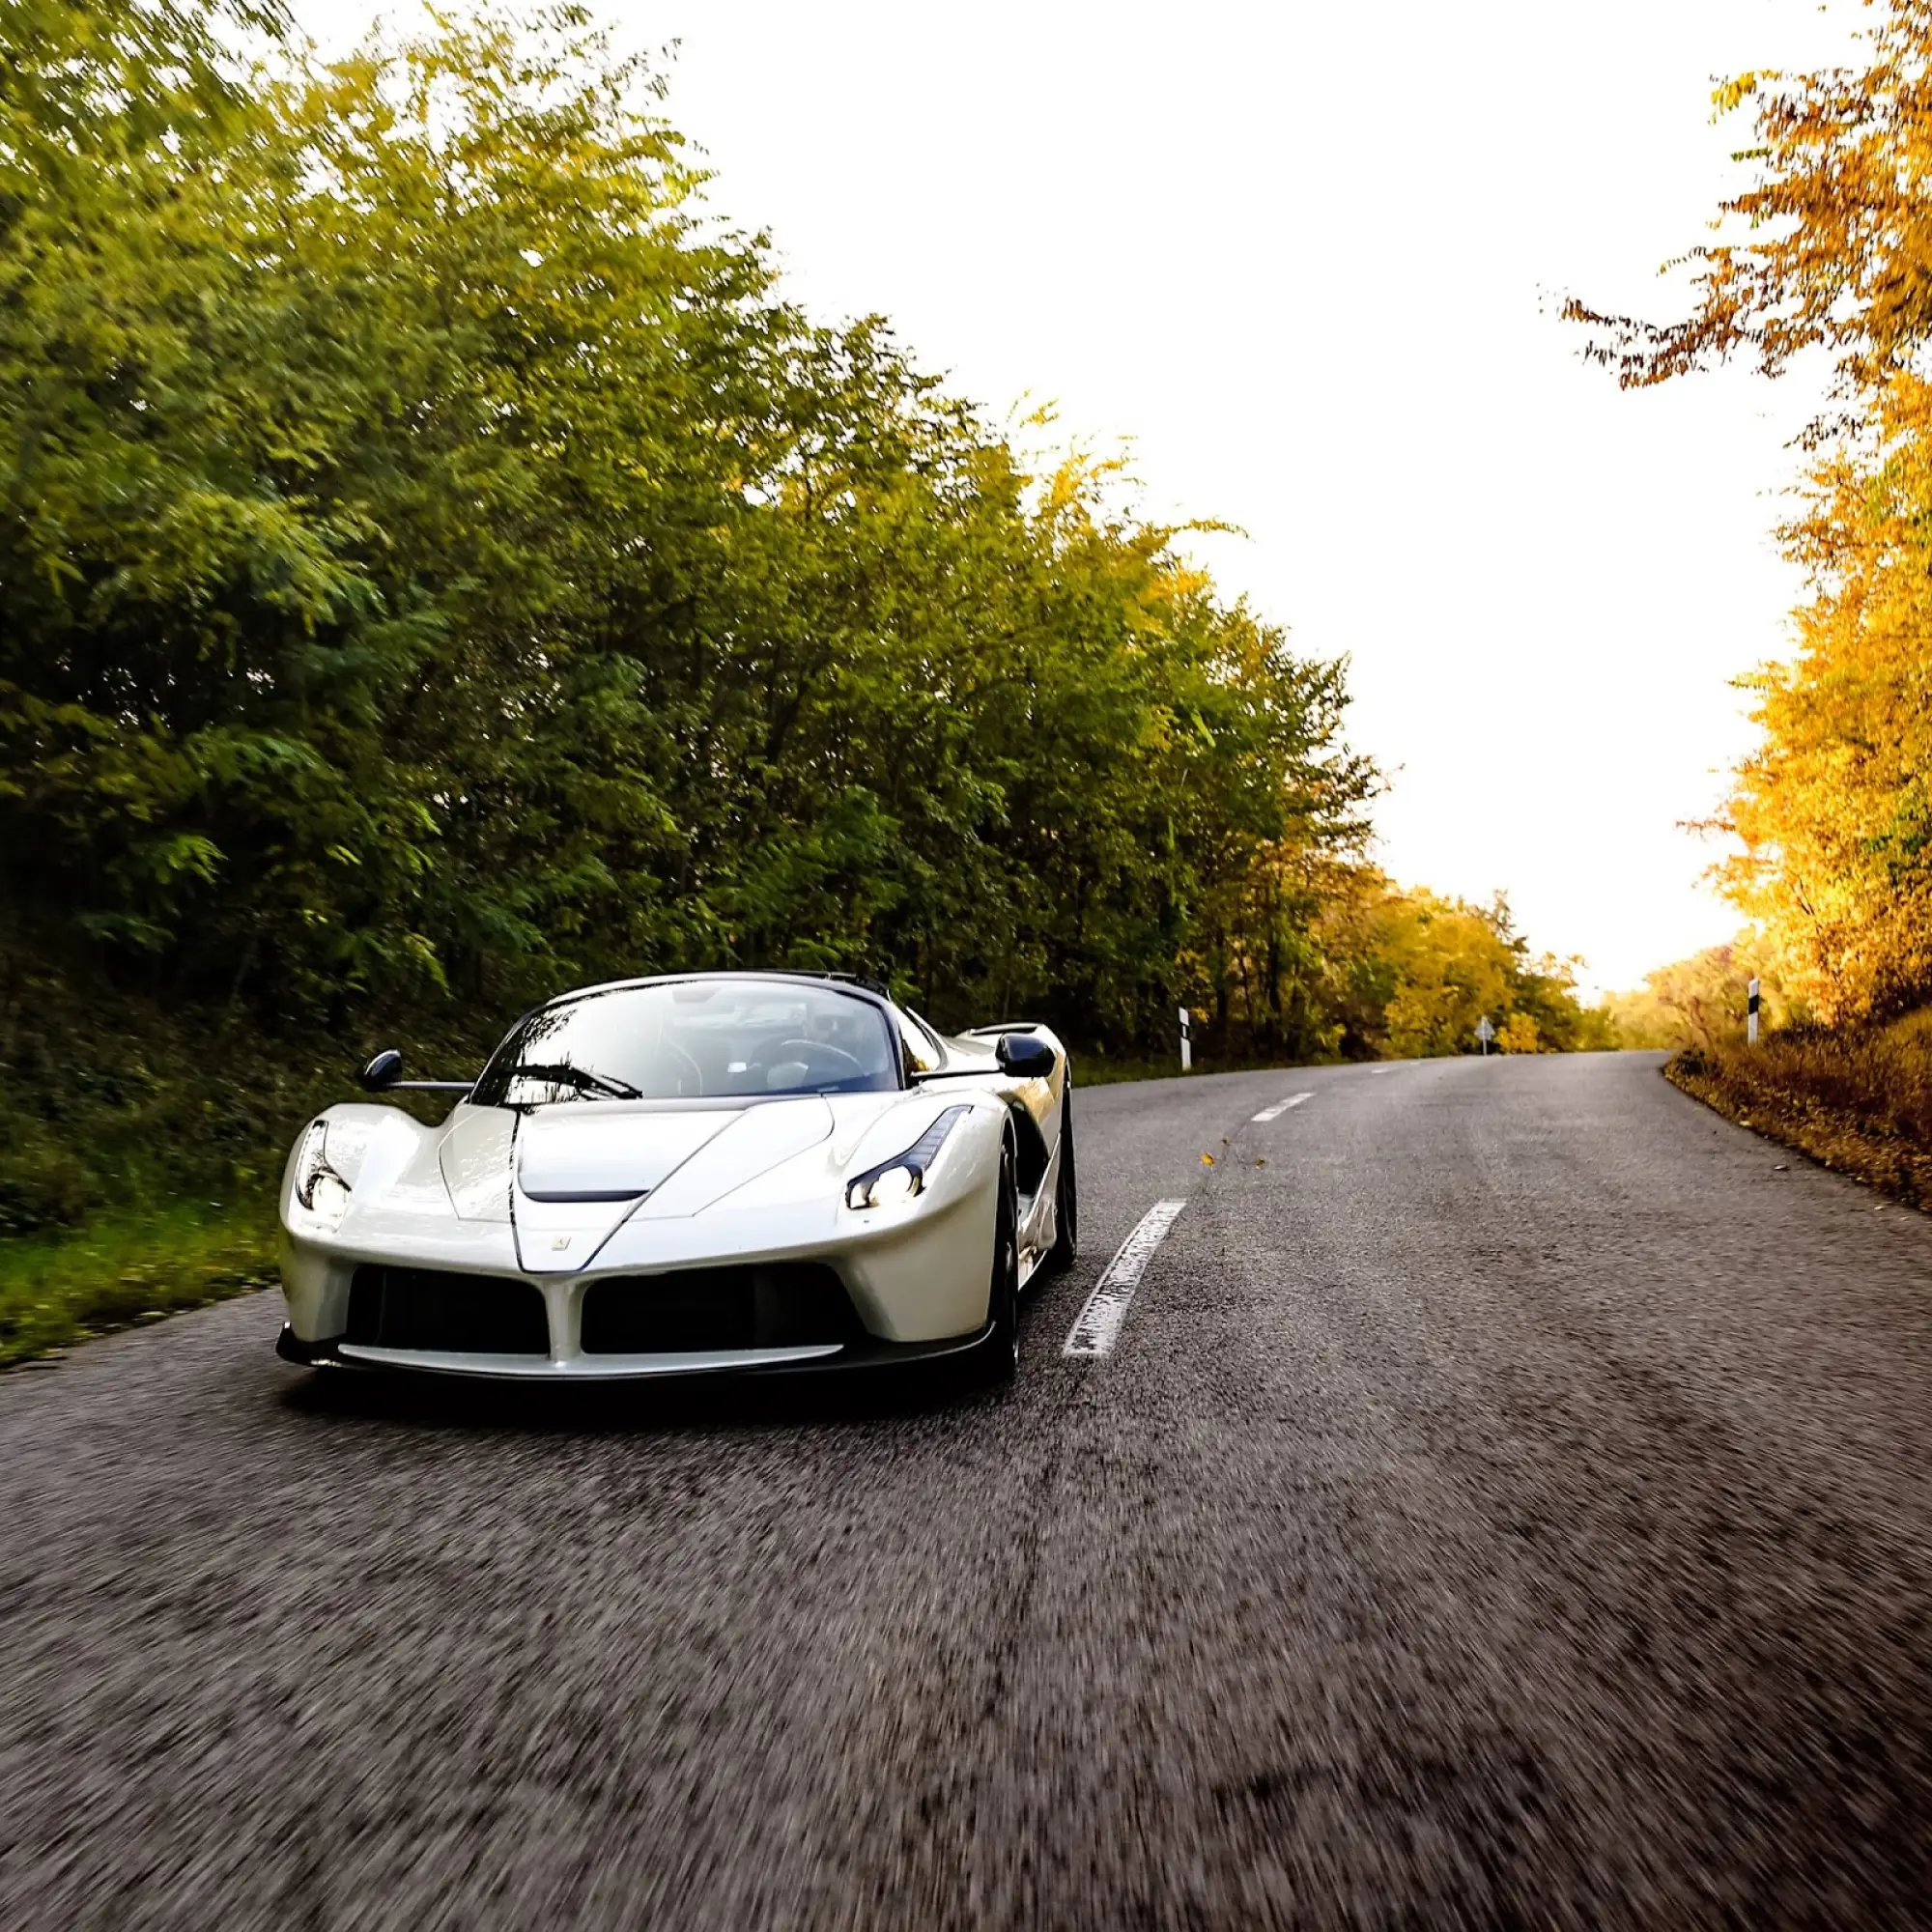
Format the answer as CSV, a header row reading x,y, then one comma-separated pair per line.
x,y
778,1305
429,1310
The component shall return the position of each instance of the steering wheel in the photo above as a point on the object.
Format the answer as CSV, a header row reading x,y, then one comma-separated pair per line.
x,y
696,1071
816,1049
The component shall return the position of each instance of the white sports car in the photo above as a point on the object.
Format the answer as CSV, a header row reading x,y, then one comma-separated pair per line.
x,y
713,1171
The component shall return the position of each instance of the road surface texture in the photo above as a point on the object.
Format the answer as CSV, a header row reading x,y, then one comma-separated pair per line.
x,y
1510,1505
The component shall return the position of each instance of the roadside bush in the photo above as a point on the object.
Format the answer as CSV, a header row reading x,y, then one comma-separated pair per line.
x,y
1855,1098
42,1184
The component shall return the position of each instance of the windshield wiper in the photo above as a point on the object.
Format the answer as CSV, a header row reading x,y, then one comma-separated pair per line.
x,y
576,1076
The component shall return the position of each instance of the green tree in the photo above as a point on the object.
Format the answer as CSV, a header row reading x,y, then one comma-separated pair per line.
x,y
436,558
439,566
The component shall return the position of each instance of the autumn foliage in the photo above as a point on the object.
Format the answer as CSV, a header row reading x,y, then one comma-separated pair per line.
x,y
1828,252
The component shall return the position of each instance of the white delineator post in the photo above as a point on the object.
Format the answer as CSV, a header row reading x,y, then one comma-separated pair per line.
x,y
1751,1013
1186,1044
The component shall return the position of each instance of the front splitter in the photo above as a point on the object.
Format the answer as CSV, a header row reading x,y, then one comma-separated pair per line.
x,y
817,1359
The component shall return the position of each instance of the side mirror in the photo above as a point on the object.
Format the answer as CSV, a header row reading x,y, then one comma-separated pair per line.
x,y
382,1072
1024,1057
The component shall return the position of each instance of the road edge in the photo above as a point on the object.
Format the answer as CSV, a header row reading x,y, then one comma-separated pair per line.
x,y
1839,1142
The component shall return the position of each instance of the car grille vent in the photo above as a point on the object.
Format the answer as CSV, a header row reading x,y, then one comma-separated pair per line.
x,y
780,1305
431,1309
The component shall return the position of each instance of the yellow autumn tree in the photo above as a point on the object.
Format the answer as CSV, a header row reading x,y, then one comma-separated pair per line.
x,y
1832,810
1829,250
1702,1001
1413,972
1517,1034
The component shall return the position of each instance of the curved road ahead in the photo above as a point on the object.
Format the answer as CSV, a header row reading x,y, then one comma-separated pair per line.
x,y
1510,1504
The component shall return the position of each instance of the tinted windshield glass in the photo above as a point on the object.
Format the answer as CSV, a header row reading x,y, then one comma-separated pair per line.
x,y
693,1039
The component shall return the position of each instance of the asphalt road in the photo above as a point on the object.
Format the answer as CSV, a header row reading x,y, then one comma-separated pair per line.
x,y
1509,1505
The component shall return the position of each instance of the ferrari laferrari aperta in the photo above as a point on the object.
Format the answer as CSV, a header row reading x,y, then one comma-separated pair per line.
x,y
714,1171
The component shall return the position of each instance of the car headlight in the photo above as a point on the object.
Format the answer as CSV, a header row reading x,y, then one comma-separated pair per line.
x,y
319,1190
902,1176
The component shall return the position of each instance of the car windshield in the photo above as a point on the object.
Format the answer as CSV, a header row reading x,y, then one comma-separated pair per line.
x,y
691,1039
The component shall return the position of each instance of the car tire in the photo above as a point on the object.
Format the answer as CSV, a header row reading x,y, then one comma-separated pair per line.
x,y
1065,1249
997,1358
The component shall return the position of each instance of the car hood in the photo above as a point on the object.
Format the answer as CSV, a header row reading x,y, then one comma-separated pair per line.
x,y
577,1154
568,1176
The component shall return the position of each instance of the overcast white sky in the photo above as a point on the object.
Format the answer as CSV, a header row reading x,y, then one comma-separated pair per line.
x,y
1308,257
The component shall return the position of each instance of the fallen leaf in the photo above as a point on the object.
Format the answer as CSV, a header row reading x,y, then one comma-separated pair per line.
x,y
1207,1160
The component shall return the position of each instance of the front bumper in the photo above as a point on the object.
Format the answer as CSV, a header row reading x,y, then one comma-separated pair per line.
x,y
916,1279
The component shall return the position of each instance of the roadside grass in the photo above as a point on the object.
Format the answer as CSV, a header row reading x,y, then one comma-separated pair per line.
x,y
57,1290
1093,1069
1859,1100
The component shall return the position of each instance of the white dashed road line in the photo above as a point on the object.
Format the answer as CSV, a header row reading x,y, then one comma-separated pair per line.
x,y
1098,1327
1280,1107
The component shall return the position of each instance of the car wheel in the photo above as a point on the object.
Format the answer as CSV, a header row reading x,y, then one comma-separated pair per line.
x,y
1065,1249
997,1357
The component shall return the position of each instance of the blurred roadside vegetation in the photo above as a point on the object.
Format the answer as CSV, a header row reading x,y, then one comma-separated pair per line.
x,y
55,1290
439,565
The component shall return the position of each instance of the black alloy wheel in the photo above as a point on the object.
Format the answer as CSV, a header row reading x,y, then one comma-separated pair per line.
x,y
1065,1249
998,1357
